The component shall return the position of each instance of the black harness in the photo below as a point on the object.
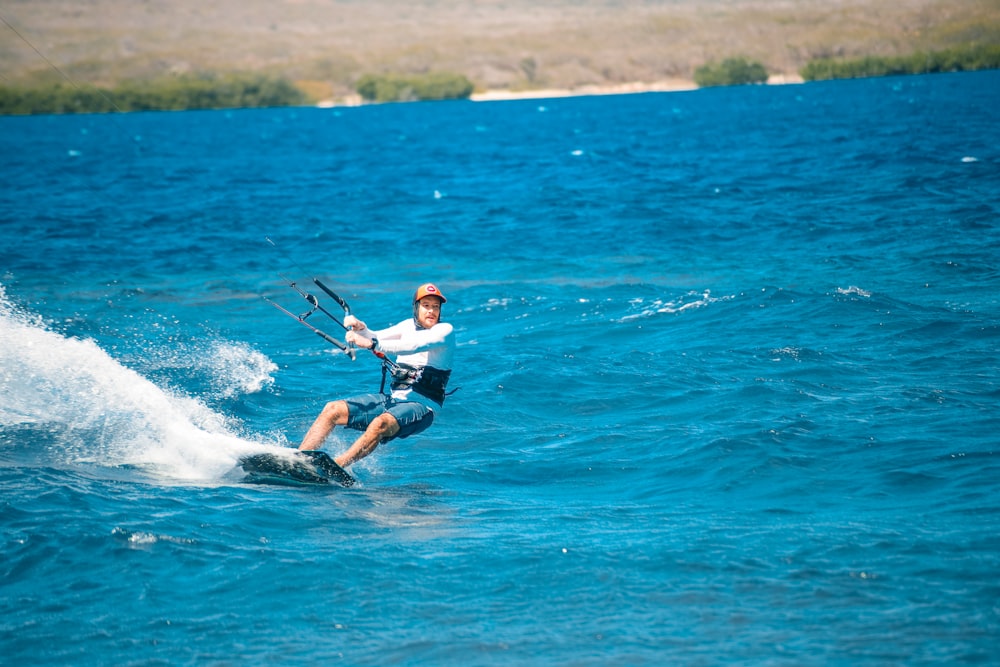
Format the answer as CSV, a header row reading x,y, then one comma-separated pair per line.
x,y
427,381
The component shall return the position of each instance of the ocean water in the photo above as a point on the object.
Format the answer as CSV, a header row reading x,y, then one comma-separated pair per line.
x,y
729,370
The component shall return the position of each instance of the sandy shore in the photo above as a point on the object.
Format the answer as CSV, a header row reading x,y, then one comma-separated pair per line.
x,y
665,86
670,85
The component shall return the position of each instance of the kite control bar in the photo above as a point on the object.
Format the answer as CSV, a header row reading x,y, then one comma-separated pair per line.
x,y
348,348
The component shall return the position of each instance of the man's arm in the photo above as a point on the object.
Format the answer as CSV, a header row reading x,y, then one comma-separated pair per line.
x,y
417,341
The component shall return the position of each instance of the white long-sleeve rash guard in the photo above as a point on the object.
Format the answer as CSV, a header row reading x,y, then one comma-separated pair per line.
x,y
417,347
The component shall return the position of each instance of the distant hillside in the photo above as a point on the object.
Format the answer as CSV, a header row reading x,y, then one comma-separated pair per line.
x,y
327,45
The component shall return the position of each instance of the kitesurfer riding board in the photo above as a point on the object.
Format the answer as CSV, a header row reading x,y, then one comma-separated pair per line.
x,y
424,348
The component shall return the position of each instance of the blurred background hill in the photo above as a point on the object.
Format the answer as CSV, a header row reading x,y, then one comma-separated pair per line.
x,y
325,46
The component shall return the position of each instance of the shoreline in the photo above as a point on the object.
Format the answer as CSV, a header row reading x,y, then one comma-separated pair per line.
x,y
665,86
676,85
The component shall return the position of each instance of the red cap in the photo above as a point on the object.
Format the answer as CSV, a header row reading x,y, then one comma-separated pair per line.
x,y
428,289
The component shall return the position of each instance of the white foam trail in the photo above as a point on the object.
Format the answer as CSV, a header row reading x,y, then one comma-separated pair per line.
x,y
103,412
689,301
853,290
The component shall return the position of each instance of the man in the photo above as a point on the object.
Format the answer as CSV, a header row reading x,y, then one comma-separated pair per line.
x,y
424,346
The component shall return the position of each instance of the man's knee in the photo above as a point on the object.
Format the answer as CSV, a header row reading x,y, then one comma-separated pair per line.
x,y
336,412
385,425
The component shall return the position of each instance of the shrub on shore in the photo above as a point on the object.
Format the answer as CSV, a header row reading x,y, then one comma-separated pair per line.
x,y
969,58
730,72
399,88
195,91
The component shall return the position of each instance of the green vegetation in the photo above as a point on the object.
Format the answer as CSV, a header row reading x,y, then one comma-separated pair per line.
x,y
957,59
730,72
198,91
398,88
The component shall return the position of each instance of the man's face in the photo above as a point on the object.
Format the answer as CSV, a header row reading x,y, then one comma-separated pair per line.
x,y
428,311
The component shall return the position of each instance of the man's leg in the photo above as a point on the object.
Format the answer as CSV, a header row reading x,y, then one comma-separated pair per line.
x,y
382,428
334,413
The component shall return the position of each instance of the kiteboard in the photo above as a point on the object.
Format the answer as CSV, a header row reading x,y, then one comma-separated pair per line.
x,y
300,468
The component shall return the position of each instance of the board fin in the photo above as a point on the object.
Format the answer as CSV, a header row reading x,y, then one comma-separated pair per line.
x,y
298,469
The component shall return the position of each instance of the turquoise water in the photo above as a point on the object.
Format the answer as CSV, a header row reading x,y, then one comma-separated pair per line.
x,y
728,364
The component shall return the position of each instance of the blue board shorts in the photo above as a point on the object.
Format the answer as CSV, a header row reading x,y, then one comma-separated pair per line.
x,y
412,416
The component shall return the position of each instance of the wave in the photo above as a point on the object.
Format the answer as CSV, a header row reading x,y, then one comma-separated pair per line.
x,y
71,399
689,301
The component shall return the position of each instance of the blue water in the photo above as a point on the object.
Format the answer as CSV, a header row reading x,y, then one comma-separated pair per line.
x,y
729,365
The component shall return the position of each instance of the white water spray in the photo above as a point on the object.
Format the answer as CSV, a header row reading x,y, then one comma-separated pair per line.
x,y
92,409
